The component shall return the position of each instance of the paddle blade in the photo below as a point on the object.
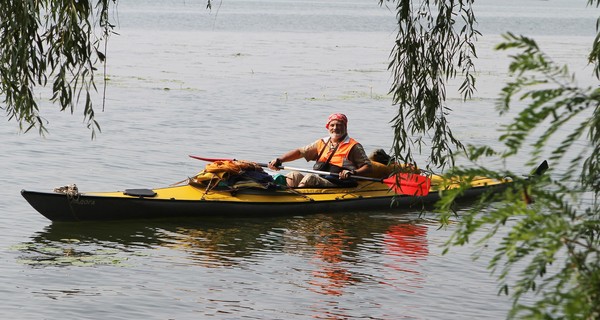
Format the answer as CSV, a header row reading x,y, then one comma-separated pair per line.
x,y
409,184
540,169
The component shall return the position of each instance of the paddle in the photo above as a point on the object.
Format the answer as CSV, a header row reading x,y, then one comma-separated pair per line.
x,y
210,159
401,183
540,169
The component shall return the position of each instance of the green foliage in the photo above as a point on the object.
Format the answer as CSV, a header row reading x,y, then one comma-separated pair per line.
x,y
548,251
552,248
56,41
594,55
431,48
555,102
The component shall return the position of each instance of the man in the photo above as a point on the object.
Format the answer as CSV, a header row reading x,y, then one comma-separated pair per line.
x,y
337,153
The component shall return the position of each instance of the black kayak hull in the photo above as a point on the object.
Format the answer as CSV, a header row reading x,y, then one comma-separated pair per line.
x,y
63,207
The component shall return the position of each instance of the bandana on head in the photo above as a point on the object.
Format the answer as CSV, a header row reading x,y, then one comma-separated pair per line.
x,y
337,116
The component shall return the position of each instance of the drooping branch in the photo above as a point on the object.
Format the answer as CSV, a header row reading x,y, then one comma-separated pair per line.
x,y
56,41
431,48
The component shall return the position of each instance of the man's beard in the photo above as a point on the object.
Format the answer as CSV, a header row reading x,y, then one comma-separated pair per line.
x,y
337,136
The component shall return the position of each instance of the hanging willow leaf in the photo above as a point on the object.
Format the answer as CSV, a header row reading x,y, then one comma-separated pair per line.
x,y
430,49
42,40
559,119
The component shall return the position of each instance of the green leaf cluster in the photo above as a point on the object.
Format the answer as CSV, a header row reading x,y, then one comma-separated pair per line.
x,y
431,48
51,42
548,250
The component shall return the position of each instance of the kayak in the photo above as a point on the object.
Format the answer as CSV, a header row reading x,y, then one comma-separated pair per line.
x,y
198,199
190,200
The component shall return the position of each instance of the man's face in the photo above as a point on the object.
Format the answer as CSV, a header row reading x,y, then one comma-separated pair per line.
x,y
337,129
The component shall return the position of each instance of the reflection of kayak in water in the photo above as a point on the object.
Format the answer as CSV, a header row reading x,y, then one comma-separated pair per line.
x,y
209,242
243,196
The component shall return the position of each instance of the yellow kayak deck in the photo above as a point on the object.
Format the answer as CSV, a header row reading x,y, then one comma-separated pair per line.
x,y
365,189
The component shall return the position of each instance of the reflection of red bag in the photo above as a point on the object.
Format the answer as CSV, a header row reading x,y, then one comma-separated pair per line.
x,y
407,240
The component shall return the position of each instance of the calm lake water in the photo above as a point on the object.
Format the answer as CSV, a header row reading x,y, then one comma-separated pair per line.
x,y
251,80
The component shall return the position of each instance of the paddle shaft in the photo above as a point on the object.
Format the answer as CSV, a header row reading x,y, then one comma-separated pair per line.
x,y
210,159
419,187
264,165
325,173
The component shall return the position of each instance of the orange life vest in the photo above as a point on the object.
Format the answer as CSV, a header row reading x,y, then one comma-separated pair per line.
x,y
340,158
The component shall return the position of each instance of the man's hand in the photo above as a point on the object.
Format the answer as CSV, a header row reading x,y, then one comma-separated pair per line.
x,y
275,164
345,174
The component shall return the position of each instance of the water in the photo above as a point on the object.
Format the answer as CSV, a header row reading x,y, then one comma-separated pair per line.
x,y
250,80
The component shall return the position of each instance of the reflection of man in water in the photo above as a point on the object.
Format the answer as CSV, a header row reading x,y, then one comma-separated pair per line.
x,y
407,240
406,245
331,276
